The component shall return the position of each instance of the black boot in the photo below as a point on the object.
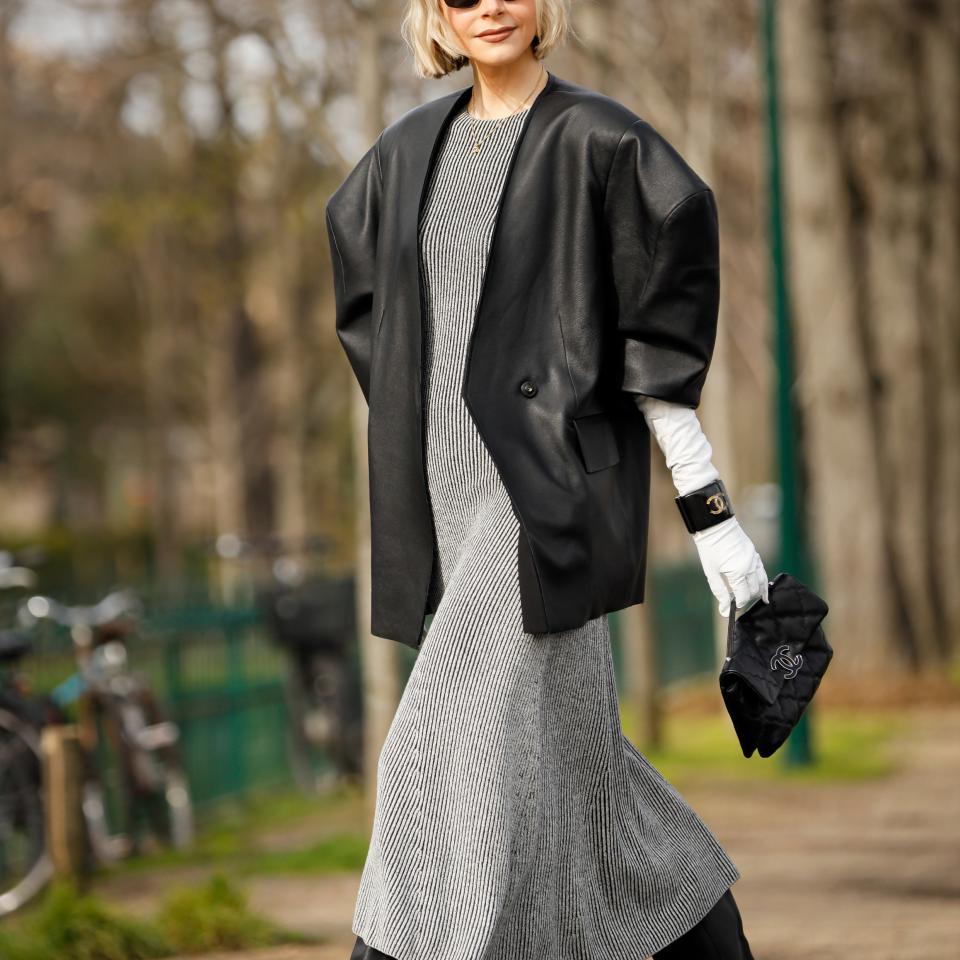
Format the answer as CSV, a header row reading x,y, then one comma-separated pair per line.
x,y
362,952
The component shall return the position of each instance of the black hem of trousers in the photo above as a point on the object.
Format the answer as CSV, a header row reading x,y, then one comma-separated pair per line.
x,y
362,952
718,936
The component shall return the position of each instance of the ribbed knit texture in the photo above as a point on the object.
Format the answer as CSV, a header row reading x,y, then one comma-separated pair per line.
x,y
514,821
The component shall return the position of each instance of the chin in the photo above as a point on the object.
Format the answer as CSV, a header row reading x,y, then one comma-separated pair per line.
x,y
497,57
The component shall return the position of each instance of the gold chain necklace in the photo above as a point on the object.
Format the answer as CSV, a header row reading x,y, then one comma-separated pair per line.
x,y
477,144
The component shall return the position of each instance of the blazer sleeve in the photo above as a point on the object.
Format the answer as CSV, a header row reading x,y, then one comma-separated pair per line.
x,y
663,236
353,217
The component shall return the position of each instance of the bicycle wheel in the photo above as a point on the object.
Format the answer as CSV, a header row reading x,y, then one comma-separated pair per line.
x,y
25,863
155,763
107,794
179,808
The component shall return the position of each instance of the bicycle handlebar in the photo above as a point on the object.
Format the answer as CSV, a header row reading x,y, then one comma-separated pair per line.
x,y
13,577
114,605
14,572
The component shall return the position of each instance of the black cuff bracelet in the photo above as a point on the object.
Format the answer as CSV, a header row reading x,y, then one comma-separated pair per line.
x,y
705,507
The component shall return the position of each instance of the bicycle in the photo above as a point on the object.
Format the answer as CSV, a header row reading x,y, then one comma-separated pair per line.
x,y
117,709
25,863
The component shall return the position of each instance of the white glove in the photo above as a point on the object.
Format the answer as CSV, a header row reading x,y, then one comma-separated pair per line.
x,y
732,564
730,560
680,436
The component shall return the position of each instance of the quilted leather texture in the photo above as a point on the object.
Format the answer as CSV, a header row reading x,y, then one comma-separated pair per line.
x,y
777,654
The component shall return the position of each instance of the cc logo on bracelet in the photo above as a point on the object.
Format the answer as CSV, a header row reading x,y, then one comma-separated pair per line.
x,y
716,500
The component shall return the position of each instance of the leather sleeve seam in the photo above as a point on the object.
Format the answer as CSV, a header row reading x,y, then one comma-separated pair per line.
x,y
336,243
379,165
613,159
329,219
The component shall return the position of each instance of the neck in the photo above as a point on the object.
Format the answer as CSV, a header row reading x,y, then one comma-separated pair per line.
x,y
502,89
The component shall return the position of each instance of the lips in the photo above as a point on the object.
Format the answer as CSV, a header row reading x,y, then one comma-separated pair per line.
x,y
496,34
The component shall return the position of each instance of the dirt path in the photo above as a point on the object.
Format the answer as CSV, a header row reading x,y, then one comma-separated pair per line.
x,y
865,871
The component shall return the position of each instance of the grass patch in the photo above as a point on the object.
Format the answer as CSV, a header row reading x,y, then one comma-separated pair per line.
x,y
339,852
232,839
69,925
847,745
214,917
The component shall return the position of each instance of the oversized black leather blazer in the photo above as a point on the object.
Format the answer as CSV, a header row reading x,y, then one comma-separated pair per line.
x,y
602,282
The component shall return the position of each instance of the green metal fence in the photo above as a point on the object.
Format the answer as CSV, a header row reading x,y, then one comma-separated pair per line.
x,y
222,679
682,622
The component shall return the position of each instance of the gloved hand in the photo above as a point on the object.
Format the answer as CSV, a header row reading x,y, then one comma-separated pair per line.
x,y
729,558
732,564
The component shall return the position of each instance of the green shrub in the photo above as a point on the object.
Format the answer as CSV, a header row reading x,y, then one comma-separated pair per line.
x,y
213,917
72,926
67,925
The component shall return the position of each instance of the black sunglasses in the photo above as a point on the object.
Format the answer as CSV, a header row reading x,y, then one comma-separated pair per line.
x,y
462,4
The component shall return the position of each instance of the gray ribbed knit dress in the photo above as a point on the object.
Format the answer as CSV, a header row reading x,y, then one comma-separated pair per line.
x,y
514,821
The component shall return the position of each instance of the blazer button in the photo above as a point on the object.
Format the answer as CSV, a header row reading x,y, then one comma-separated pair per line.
x,y
528,388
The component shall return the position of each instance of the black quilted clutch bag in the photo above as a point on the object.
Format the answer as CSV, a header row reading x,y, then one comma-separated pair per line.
x,y
776,656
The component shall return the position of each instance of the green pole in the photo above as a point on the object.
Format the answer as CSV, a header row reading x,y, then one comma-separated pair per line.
x,y
793,554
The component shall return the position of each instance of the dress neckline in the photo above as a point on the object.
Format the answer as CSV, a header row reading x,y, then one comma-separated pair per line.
x,y
510,116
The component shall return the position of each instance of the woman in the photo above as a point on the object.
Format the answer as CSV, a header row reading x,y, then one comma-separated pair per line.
x,y
514,820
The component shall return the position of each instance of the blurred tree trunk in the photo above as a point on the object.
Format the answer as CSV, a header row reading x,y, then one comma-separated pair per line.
x,y
8,12
224,442
873,190
706,32
157,282
834,349
935,59
238,344
288,437
902,221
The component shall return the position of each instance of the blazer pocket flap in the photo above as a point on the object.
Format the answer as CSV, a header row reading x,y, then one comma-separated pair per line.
x,y
598,441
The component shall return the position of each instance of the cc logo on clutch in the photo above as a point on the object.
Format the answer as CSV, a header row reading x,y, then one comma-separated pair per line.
x,y
790,663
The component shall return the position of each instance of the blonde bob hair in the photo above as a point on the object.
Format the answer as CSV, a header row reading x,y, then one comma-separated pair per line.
x,y
435,49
